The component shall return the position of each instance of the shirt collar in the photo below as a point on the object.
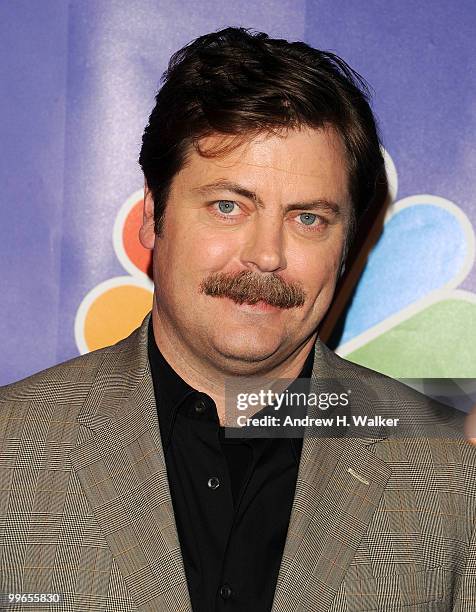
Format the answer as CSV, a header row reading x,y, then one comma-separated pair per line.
x,y
171,390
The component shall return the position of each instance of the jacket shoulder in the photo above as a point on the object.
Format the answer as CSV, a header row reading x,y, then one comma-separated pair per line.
x,y
385,394
71,378
70,382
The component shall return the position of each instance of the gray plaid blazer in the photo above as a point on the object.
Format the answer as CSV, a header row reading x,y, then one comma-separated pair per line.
x,y
377,523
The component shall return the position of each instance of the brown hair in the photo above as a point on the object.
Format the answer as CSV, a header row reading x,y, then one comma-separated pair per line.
x,y
239,82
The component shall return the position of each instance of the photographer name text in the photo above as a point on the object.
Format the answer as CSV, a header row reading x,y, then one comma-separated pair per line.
x,y
307,421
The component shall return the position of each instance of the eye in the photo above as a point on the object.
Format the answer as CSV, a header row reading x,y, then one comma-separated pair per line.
x,y
226,207
311,222
307,218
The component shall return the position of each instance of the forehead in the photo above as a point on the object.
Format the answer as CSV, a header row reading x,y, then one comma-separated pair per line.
x,y
306,163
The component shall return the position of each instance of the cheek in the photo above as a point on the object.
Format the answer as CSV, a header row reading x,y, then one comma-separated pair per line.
x,y
316,269
205,251
217,249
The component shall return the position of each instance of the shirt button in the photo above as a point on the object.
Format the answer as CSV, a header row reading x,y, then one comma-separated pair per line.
x,y
213,482
200,407
225,591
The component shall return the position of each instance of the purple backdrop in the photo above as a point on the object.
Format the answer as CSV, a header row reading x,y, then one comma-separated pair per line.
x,y
78,80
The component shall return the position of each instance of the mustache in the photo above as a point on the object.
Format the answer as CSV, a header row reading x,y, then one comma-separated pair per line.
x,y
250,288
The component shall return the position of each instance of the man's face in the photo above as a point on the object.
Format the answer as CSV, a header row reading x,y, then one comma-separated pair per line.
x,y
273,212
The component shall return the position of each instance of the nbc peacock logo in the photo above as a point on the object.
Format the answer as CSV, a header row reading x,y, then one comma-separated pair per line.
x,y
412,314
115,307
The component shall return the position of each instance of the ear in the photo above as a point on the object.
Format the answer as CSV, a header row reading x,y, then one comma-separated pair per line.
x,y
147,230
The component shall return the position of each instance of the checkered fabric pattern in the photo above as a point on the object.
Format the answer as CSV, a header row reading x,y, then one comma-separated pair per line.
x,y
378,522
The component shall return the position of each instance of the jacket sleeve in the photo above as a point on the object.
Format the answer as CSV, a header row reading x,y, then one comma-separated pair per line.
x,y
465,588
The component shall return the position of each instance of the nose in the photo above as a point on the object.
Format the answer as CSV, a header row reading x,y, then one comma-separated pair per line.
x,y
264,249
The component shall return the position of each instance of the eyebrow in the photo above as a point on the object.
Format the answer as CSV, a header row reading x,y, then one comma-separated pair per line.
x,y
319,204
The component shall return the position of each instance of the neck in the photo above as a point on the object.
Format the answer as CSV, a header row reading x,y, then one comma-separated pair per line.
x,y
199,372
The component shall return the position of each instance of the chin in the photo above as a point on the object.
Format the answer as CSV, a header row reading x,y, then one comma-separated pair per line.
x,y
247,350
251,341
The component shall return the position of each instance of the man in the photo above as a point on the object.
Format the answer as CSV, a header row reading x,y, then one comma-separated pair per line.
x,y
121,487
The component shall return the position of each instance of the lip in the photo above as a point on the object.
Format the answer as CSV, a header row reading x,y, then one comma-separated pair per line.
x,y
260,307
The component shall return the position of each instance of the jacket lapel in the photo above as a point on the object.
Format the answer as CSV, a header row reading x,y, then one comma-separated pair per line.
x,y
121,467
339,485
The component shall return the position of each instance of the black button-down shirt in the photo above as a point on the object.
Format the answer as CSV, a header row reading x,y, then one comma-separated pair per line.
x,y
232,497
